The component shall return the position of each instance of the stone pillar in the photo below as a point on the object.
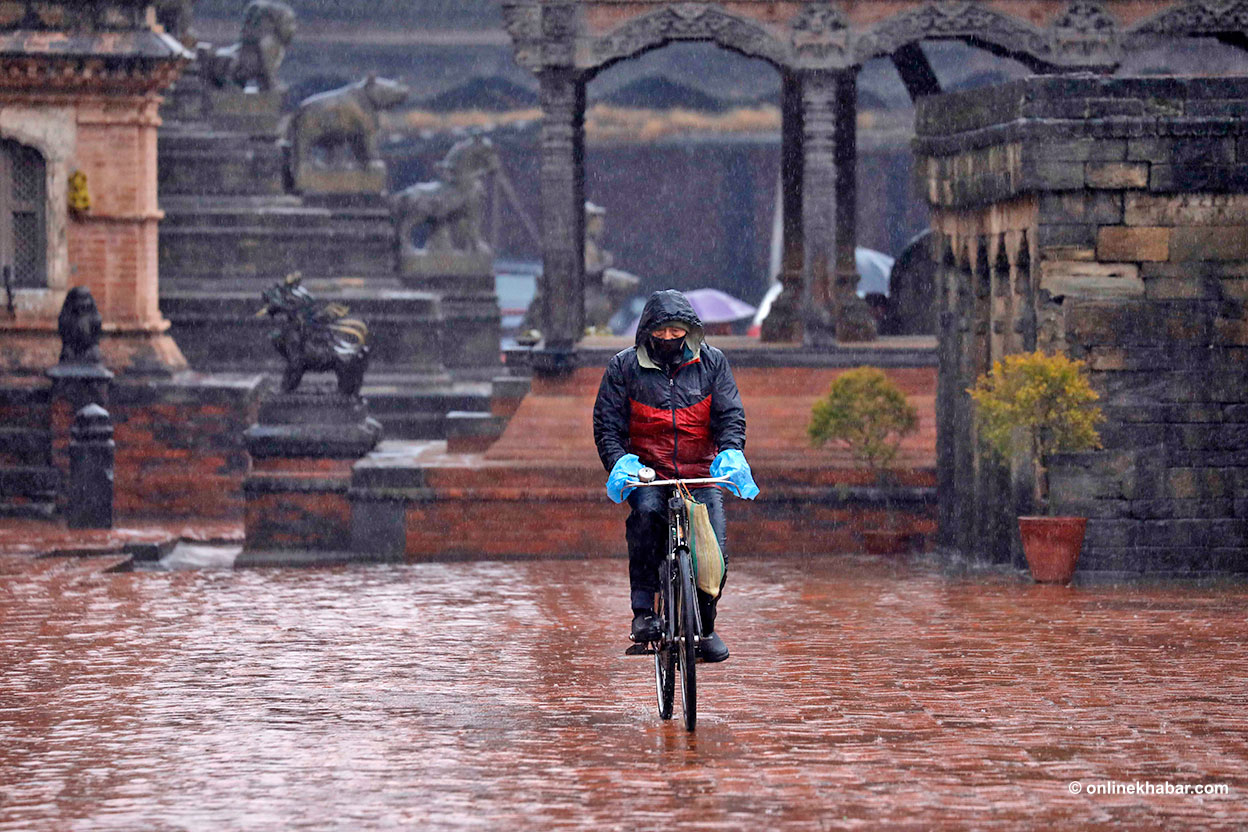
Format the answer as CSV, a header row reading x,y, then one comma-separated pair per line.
x,y
113,246
833,310
91,457
562,312
853,319
947,391
784,322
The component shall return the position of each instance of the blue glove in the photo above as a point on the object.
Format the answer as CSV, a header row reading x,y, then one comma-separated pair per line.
x,y
626,468
731,464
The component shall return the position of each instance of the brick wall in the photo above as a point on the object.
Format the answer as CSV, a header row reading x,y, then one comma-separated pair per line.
x,y
180,449
1106,218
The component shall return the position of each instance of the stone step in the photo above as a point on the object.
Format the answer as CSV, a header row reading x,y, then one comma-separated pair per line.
x,y
29,483
42,509
208,163
407,413
226,238
430,502
219,332
25,403
25,446
472,431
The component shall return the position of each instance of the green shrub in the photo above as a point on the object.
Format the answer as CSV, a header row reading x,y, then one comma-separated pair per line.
x,y
1036,404
867,413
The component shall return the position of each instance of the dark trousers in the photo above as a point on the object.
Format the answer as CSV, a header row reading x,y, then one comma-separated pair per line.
x,y
646,532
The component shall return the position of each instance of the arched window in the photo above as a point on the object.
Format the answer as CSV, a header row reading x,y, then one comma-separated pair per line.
x,y
23,234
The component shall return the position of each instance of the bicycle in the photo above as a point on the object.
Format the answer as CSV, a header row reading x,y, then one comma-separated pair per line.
x,y
680,629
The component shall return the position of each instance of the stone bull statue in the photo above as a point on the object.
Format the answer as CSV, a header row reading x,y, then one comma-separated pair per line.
x,y
339,128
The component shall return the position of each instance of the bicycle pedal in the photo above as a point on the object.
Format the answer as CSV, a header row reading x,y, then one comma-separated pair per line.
x,y
639,650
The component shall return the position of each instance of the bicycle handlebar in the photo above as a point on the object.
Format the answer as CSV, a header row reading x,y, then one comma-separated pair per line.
x,y
724,481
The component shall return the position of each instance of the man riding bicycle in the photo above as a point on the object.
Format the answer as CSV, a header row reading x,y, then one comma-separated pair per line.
x,y
670,403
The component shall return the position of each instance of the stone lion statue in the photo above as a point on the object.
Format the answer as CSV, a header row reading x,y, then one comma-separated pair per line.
x,y
268,27
315,337
175,17
79,326
347,118
451,205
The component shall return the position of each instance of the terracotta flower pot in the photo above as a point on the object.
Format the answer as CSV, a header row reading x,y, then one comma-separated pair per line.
x,y
886,542
1052,546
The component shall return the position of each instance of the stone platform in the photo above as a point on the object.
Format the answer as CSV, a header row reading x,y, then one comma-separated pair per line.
x,y
538,490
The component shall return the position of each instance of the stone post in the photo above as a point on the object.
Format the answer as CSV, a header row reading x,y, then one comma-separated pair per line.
x,y
562,313
91,454
833,310
784,322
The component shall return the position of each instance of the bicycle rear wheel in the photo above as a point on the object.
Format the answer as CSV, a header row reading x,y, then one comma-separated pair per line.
x,y
686,612
665,650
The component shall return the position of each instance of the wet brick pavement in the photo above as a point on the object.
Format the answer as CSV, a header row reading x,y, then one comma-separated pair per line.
x,y
860,695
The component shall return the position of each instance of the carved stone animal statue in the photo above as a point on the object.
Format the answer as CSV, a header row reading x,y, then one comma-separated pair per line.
x,y
268,27
79,326
315,337
343,119
451,205
175,17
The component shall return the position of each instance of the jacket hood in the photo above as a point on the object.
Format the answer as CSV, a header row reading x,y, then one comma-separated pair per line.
x,y
663,307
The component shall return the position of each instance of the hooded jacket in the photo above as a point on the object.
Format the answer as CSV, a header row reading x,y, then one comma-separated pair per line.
x,y
674,423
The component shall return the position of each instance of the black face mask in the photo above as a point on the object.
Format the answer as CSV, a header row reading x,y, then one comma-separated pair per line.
x,y
666,350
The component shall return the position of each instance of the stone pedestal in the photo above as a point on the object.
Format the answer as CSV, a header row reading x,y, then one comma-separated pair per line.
x,y
314,180
74,386
464,283
257,113
303,448
453,271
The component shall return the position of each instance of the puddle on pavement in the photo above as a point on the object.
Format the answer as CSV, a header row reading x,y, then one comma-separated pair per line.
x,y
495,696
186,556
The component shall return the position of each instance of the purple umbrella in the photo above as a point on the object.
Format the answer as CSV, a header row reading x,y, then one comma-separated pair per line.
x,y
712,306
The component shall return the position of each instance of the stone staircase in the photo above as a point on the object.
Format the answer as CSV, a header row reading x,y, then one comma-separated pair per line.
x,y
232,228
29,482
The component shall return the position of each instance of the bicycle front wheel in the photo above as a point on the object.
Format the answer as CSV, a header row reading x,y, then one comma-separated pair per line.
x,y
665,649
687,640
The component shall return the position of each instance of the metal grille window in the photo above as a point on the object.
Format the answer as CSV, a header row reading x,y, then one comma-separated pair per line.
x,y
23,234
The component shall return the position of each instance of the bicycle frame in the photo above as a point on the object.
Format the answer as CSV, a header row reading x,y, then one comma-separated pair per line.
x,y
682,621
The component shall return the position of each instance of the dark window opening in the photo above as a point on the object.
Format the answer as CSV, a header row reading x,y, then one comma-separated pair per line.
x,y
23,227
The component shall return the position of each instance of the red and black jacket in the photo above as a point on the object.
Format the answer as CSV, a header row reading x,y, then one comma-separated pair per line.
x,y
677,421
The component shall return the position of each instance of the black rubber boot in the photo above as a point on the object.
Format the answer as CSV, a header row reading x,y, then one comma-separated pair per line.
x,y
712,649
645,626
706,608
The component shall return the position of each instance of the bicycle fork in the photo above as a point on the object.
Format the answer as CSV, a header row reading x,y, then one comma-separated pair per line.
x,y
678,530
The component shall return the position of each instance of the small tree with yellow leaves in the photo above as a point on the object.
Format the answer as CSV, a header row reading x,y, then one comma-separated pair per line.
x,y
1036,405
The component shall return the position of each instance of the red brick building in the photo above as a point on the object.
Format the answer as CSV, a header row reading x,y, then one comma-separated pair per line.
x,y
80,86
79,91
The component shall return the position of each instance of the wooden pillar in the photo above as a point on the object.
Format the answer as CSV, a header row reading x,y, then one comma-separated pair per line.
x,y
562,312
784,322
